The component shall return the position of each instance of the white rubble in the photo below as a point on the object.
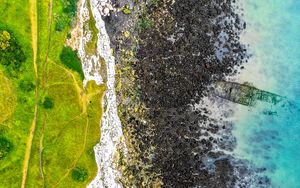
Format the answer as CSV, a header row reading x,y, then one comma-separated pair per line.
x,y
111,128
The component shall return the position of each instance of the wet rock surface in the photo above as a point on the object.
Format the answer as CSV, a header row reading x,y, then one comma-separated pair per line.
x,y
189,45
178,57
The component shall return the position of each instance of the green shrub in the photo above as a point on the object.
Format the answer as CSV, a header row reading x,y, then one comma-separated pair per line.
x,y
48,103
126,10
71,60
26,85
61,22
70,7
11,54
79,174
4,40
145,24
68,14
5,147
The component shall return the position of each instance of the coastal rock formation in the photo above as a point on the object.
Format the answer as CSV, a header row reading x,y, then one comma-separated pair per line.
x,y
181,48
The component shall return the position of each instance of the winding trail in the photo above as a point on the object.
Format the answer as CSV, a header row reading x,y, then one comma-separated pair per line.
x,y
44,77
33,19
41,151
82,97
48,46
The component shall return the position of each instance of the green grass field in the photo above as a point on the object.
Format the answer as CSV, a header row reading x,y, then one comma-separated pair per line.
x,y
68,115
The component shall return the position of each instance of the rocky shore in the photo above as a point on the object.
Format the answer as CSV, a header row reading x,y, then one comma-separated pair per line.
x,y
168,54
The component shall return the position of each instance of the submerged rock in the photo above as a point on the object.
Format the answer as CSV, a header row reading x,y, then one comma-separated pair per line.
x,y
244,94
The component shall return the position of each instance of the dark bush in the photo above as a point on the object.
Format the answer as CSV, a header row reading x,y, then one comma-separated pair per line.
x,y
61,22
26,85
48,103
11,54
70,7
68,14
79,174
70,59
5,147
145,24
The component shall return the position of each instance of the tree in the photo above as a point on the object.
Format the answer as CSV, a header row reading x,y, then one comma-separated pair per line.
x,y
71,60
11,54
48,103
4,40
79,174
26,85
5,147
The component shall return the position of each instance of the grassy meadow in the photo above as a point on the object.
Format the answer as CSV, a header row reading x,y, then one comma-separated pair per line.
x,y
68,115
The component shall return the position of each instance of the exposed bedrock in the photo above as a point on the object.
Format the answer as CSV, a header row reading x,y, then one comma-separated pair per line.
x,y
189,44
180,56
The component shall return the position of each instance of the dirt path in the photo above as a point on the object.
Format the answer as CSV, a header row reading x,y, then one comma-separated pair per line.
x,y
41,151
44,81
34,27
48,47
82,97
81,93
33,18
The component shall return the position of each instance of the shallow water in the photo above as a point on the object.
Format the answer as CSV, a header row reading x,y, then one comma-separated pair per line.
x,y
269,136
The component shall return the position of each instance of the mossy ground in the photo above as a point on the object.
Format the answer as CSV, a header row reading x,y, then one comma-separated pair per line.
x,y
91,46
65,133
136,168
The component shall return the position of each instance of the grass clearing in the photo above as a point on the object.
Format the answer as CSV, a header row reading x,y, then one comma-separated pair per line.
x,y
14,16
91,45
68,128
7,98
71,60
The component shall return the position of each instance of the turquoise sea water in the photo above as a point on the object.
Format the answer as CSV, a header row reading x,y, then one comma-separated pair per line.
x,y
272,140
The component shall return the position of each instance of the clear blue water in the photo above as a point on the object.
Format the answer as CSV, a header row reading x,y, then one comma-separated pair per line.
x,y
272,141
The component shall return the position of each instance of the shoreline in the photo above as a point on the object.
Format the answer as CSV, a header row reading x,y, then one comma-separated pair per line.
x,y
93,64
174,116
185,140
